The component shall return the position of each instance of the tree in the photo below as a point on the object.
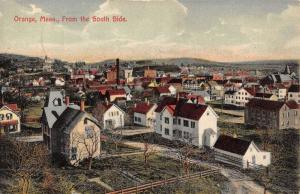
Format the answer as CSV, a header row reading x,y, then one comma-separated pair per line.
x,y
149,150
26,160
87,144
184,152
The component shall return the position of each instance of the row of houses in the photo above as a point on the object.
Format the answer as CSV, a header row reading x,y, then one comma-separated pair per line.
x,y
242,96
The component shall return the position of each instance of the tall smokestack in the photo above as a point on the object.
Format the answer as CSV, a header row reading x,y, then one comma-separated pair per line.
x,y
118,70
81,105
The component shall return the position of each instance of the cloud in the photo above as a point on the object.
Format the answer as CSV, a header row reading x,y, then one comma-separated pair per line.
x,y
35,10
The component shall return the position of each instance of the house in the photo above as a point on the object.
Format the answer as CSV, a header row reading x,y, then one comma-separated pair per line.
x,y
143,114
267,96
216,90
175,119
109,115
10,119
172,90
240,153
128,75
294,93
55,104
286,77
277,89
60,82
162,91
75,136
113,94
128,93
204,94
240,97
150,73
270,114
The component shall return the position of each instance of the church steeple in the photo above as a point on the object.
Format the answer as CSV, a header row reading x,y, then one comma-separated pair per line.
x,y
287,70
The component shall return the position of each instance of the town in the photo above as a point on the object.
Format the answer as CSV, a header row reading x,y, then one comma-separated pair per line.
x,y
148,126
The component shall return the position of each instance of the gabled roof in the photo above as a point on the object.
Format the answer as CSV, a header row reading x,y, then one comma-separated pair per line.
x,y
233,145
190,111
143,107
67,118
251,91
12,107
263,95
292,104
294,88
182,109
106,106
168,101
265,104
163,90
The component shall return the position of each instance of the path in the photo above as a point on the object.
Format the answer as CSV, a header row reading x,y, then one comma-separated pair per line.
x,y
240,183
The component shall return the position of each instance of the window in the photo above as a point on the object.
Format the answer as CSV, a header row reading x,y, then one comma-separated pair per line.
x,y
264,157
179,121
135,118
174,122
9,116
185,123
166,120
207,113
89,131
167,132
160,116
160,128
185,135
1,117
139,120
73,153
192,124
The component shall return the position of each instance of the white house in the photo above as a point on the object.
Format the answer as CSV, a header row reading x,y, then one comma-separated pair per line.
x,y
240,97
240,153
60,81
172,90
10,119
175,119
294,93
113,116
143,114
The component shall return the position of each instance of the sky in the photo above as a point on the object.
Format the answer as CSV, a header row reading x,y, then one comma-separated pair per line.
x,y
218,30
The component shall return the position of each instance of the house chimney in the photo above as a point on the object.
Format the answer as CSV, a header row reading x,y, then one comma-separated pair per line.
x,y
177,97
146,100
67,100
106,101
81,105
134,105
118,70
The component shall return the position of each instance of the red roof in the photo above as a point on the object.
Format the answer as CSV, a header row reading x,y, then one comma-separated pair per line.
x,y
181,108
292,104
13,107
116,92
143,107
163,90
251,91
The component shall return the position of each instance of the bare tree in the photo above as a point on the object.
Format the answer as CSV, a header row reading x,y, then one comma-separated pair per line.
x,y
87,144
149,150
184,150
26,160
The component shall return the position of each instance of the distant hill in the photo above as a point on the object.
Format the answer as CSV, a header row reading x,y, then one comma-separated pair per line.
x,y
269,65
